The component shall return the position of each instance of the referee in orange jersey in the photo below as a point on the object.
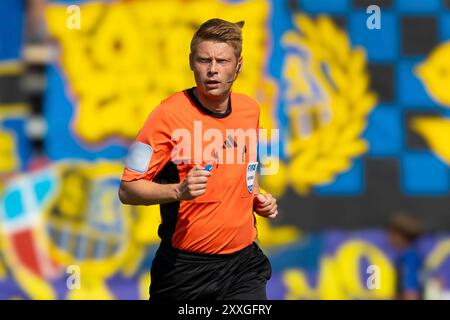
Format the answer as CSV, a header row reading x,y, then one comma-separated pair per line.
x,y
207,229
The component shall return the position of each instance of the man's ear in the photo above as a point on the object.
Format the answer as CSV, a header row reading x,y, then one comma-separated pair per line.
x,y
191,57
239,65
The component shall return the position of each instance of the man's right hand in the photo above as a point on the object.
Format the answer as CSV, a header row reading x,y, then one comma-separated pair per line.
x,y
195,183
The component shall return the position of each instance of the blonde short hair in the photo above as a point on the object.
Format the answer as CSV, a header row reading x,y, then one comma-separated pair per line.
x,y
221,31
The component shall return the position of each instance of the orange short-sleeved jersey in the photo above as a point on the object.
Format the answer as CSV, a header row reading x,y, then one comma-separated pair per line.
x,y
221,221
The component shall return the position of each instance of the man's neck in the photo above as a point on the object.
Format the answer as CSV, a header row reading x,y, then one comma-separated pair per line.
x,y
217,104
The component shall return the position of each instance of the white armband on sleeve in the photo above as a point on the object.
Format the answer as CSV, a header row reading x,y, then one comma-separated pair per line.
x,y
139,157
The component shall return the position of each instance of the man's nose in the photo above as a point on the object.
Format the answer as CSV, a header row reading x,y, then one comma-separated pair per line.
x,y
212,68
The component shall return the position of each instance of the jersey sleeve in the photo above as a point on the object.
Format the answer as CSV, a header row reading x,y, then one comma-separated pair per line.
x,y
151,150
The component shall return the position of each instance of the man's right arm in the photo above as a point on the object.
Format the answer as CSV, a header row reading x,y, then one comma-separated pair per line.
x,y
146,192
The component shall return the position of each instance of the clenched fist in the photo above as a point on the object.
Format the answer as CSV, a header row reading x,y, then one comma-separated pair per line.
x,y
265,205
195,183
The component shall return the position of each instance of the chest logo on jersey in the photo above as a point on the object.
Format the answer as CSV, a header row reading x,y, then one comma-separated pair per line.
x,y
251,173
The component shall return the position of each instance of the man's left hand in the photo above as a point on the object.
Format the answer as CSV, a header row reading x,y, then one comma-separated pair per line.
x,y
265,205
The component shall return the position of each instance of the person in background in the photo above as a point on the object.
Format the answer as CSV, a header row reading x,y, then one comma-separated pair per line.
x,y
403,232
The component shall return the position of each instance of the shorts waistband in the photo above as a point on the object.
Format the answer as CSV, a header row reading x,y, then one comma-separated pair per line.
x,y
168,248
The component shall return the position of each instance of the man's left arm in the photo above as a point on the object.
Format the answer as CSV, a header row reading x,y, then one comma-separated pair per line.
x,y
265,204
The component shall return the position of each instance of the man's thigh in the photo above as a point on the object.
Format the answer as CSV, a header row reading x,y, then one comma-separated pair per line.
x,y
250,277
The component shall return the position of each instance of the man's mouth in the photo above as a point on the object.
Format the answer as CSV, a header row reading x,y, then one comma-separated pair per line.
x,y
212,84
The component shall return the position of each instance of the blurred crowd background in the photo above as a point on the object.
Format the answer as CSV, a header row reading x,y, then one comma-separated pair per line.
x,y
360,94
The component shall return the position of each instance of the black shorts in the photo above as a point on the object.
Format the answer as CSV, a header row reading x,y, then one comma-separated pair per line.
x,y
183,275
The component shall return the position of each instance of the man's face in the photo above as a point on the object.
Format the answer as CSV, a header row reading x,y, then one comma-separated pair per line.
x,y
214,65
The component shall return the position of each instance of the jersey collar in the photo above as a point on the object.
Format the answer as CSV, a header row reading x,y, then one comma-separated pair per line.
x,y
202,108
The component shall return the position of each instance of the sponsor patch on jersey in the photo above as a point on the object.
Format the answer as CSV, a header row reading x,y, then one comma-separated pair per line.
x,y
250,177
139,157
